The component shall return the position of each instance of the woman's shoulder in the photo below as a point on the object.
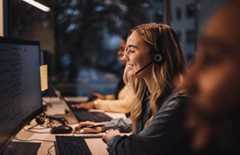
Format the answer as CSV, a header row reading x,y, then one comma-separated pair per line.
x,y
174,100
177,95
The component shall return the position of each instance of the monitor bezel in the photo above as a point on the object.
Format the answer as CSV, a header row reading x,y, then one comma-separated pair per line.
x,y
38,111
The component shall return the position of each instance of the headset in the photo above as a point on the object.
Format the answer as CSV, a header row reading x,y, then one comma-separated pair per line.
x,y
156,57
156,54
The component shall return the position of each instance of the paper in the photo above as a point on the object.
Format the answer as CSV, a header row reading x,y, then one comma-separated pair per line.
x,y
44,77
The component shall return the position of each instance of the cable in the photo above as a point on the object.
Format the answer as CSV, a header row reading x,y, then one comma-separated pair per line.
x,y
31,127
41,128
38,125
28,130
30,140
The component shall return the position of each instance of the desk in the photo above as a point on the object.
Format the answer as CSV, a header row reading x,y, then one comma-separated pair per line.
x,y
96,145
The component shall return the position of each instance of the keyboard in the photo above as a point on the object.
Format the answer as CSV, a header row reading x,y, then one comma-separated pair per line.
x,y
21,148
84,115
70,145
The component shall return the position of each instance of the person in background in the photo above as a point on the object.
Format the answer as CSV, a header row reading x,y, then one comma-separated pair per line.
x,y
121,82
213,83
122,124
120,102
155,59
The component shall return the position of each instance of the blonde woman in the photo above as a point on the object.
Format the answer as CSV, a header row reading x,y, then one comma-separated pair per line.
x,y
155,59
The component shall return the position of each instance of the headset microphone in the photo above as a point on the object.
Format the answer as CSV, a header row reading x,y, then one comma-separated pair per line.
x,y
143,68
156,58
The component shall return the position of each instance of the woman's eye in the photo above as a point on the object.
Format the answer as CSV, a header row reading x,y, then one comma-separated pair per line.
x,y
130,51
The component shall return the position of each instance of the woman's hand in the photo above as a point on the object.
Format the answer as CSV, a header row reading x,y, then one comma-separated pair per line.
x,y
86,106
99,96
88,127
109,134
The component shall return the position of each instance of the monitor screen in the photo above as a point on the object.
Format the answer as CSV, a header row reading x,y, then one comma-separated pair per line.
x,y
20,90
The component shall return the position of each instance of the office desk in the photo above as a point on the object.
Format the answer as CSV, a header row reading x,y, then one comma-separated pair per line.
x,y
96,145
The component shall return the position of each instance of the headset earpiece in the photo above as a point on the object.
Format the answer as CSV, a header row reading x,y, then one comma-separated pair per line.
x,y
157,58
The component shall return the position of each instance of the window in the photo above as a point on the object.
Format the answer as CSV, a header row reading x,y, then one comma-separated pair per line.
x,y
191,36
179,35
178,13
82,38
190,10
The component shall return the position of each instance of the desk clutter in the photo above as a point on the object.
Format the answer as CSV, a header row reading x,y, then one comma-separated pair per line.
x,y
30,122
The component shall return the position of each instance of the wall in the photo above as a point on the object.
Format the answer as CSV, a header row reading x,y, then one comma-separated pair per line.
x,y
184,25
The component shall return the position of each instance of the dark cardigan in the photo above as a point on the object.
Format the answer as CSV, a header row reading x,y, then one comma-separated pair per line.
x,y
164,135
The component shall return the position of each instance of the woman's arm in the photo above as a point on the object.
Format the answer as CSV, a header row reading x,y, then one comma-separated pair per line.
x,y
164,135
121,105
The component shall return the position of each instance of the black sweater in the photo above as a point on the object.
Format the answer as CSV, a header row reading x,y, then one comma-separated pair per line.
x,y
164,135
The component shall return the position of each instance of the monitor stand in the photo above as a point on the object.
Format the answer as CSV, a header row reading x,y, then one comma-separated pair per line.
x,y
22,148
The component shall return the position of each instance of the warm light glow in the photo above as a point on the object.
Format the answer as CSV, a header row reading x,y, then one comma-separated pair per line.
x,y
44,77
37,5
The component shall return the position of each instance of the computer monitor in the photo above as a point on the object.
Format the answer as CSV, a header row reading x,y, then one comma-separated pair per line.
x,y
20,91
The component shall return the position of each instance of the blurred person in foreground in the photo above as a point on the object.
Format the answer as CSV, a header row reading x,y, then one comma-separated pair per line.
x,y
213,83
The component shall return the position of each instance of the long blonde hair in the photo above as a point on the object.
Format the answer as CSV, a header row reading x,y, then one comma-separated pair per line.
x,y
160,38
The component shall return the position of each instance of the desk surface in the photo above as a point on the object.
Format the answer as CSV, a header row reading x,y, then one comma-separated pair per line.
x,y
41,134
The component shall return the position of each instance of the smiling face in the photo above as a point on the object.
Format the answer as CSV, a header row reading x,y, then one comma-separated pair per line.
x,y
137,53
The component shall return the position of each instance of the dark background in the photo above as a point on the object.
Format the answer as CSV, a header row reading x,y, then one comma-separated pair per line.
x,y
80,38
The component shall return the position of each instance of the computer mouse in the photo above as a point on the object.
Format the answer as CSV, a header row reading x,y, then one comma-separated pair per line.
x,y
62,129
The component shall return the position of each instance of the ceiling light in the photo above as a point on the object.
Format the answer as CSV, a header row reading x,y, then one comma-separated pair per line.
x,y
37,5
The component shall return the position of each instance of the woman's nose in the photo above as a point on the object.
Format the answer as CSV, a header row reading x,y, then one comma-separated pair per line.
x,y
125,56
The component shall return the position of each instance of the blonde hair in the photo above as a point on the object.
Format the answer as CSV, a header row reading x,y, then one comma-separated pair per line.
x,y
161,39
